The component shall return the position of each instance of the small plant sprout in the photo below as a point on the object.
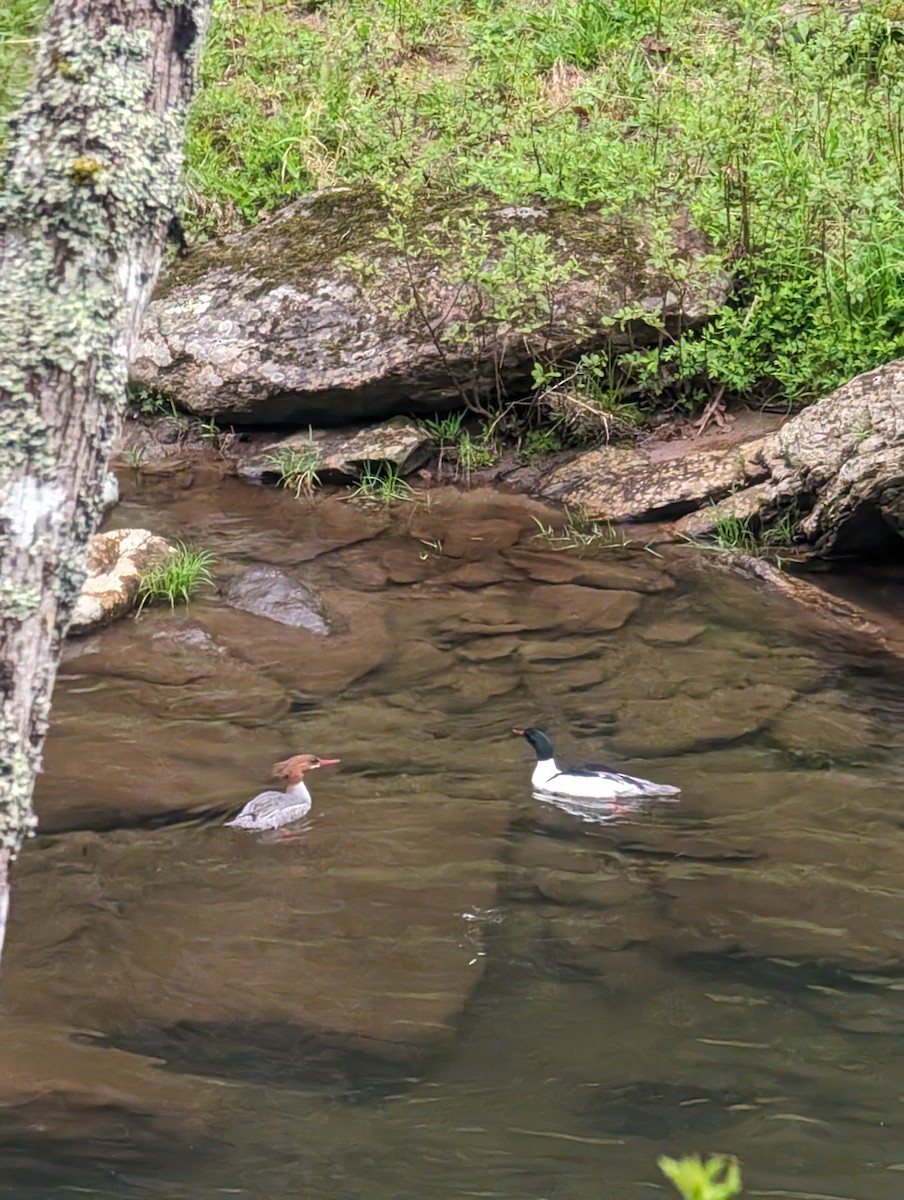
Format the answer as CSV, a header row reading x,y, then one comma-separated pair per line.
x,y
433,548
381,484
209,430
732,534
178,579
297,466
473,454
445,432
136,456
862,428
580,532
719,1178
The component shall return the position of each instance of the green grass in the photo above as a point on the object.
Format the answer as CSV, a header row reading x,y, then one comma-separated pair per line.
x,y
20,24
580,532
296,467
475,453
178,579
732,534
381,484
783,137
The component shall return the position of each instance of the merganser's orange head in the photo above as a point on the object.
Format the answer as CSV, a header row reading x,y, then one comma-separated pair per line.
x,y
293,769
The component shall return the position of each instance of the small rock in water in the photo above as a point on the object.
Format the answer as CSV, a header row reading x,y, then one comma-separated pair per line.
x,y
115,563
269,592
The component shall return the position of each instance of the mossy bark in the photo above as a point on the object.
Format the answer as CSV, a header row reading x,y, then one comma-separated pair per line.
x,y
89,188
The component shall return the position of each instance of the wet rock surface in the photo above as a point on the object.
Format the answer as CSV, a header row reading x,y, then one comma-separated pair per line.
x,y
433,928
277,324
271,593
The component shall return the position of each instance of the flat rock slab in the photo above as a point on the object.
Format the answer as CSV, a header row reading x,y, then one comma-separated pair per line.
x,y
116,562
341,454
619,484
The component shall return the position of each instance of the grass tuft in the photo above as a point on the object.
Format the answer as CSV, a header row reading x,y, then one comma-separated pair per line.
x,y
177,580
580,532
381,484
297,466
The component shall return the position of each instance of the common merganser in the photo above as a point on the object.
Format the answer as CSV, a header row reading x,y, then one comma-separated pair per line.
x,y
592,781
270,810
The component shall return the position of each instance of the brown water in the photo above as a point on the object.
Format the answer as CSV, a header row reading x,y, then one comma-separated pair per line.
x,y
442,987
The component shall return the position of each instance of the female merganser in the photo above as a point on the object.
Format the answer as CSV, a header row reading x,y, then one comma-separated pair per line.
x,y
269,810
593,781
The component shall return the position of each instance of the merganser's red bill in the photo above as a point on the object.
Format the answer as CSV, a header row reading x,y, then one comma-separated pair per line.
x,y
520,732
328,762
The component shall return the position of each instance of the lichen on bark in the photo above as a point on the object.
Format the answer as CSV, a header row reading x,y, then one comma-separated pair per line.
x,y
90,185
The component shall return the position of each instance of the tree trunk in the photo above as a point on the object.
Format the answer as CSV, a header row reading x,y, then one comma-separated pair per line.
x,y
90,186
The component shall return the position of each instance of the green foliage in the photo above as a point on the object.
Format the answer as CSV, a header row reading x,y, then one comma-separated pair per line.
x,y
446,430
719,1178
149,402
475,453
587,402
381,483
782,136
742,535
20,25
537,443
296,466
176,580
503,283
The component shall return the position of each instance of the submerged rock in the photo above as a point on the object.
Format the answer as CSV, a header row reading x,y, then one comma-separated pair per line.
x,y
269,592
116,562
307,316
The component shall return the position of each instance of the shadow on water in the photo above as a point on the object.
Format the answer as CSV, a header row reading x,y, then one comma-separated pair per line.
x,y
443,986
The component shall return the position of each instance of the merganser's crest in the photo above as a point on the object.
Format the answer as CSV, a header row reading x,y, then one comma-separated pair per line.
x,y
589,782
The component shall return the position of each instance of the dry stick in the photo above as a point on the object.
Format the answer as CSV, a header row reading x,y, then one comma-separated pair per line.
x,y
91,185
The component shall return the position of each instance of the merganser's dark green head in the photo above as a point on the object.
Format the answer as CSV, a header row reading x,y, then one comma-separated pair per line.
x,y
539,740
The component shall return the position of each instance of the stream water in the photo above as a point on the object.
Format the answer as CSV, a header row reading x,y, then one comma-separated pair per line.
x,y
442,987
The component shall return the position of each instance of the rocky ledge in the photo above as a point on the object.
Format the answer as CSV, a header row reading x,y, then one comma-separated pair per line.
x,y
313,315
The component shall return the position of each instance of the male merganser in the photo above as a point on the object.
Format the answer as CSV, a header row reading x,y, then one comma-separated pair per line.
x,y
592,781
269,810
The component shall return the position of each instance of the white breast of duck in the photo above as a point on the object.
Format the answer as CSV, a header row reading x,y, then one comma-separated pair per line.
x,y
592,781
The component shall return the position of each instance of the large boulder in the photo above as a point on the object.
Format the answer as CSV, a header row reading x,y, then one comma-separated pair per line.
x,y
314,316
838,467
116,562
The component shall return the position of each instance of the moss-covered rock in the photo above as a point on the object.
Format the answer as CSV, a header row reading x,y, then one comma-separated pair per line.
x,y
316,315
